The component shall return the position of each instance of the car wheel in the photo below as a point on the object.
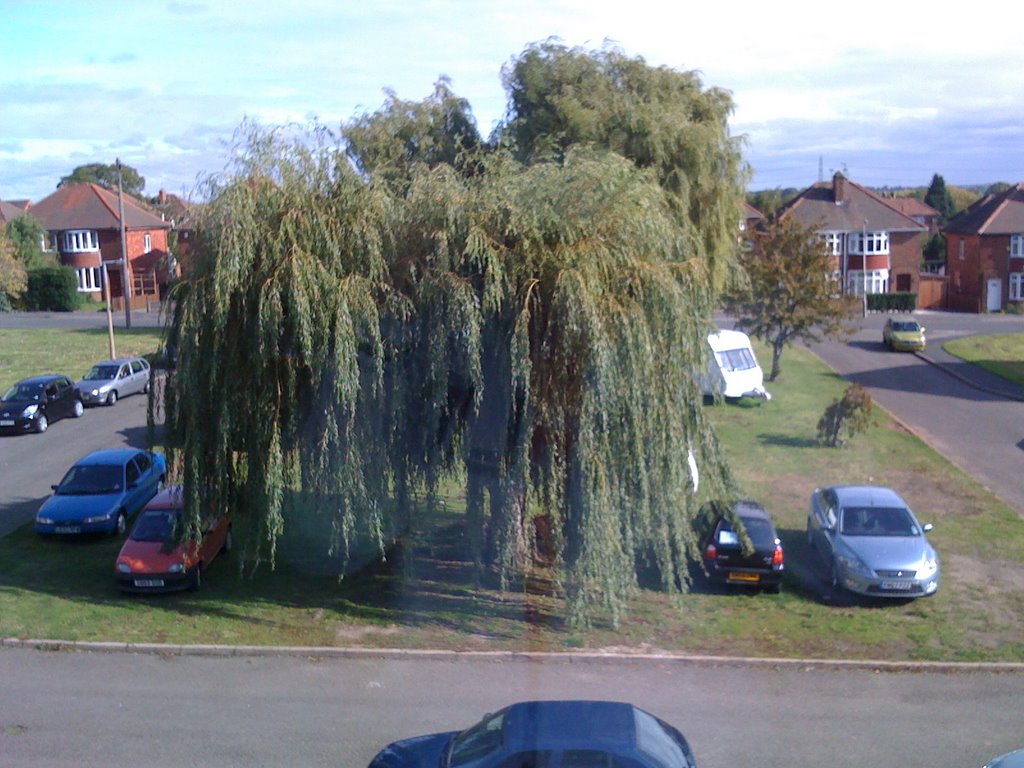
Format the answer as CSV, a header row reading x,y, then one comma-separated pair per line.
x,y
227,541
145,389
79,409
197,577
41,424
810,536
834,579
122,523
112,398
774,589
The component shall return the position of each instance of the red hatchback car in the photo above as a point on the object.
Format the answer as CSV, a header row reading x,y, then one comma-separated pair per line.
x,y
155,558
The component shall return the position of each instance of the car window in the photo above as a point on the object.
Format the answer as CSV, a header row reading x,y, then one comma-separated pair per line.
x,y
51,390
736,359
533,759
131,473
123,373
101,373
144,462
137,366
878,521
652,739
84,479
482,739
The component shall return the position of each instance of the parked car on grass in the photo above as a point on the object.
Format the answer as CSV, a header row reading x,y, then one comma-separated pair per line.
x,y
101,492
110,380
156,557
902,334
763,562
33,404
549,734
871,542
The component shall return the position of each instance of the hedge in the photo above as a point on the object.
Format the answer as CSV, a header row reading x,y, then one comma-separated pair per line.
x,y
892,302
52,289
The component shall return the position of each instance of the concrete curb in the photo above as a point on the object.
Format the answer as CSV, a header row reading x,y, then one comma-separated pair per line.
x,y
1003,393
395,654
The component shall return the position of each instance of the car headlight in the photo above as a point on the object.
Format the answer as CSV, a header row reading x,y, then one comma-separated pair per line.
x,y
94,392
96,519
931,565
176,568
854,564
124,568
29,411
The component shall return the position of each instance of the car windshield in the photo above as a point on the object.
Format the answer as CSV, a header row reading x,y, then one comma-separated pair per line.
x,y
157,525
24,392
909,325
92,478
878,521
102,373
482,739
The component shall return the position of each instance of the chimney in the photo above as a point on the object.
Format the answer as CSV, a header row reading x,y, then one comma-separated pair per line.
x,y
161,197
839,188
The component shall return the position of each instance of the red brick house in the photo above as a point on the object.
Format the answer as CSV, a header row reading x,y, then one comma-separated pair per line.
x,y
919,211
862,230
985,253
84,229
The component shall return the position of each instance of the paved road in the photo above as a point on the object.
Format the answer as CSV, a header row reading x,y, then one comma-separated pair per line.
x,y
977,426
75,709
30,464
81,319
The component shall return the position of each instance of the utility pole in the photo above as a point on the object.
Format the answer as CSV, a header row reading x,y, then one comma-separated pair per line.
x,y
864,264
126,292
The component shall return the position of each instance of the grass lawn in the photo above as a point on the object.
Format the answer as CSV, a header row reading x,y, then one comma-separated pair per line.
x,y
424,595
25,353
1001,353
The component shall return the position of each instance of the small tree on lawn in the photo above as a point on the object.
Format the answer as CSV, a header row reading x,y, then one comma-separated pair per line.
x,y
851,414
792,290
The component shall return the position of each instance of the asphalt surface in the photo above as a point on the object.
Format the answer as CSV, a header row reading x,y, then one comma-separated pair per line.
x,y
973,418
77,709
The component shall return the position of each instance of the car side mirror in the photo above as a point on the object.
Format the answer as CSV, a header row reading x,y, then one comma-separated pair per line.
x,y
927,527
55,487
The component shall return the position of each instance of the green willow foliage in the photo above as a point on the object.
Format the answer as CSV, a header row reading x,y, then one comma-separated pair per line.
x,y
363,320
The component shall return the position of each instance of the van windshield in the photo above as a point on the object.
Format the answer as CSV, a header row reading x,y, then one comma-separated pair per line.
x,y
736,359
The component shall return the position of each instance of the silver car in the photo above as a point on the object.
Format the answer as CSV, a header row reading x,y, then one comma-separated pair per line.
x,y
110,380
872,542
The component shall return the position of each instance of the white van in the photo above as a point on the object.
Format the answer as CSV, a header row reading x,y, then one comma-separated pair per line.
x,y
733,371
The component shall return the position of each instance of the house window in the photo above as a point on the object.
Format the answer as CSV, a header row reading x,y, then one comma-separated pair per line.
x,y
78,240
960,250
88,279
876,281
1017,286
1017,246
833,243
147,243
871,243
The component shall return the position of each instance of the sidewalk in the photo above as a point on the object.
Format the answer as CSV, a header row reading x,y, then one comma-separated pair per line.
x,y
972,375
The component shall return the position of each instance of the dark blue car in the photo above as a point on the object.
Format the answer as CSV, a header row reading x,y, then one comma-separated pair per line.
x,y
33,404
101,492
549,734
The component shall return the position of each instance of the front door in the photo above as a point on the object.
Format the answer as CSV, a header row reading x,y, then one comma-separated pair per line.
x,y
994,295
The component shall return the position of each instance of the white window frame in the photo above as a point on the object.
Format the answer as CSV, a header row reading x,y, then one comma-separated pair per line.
x,y
877,282
147,243
833,242
89,279
1017,286
1017,246
876,243
81,241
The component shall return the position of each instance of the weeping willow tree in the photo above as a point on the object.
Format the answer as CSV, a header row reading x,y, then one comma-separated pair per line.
x,y
364,319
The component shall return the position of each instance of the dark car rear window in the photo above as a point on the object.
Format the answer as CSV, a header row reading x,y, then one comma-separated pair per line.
x,y
759,530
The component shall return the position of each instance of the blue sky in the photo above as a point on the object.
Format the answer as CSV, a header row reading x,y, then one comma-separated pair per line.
x,y
891,93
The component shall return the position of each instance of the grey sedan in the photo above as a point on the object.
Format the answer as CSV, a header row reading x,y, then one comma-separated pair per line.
x,y
871,542
110,380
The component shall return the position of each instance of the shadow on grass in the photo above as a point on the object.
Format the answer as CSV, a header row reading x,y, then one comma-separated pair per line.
x,y
787,441
425,582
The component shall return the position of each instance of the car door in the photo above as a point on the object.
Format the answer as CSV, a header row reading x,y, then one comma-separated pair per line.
x,y
134,488
124,381
148,479
823,521
54,409
140,375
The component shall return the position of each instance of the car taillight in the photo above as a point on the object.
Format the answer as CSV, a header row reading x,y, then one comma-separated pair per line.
x,y
710,553
777,555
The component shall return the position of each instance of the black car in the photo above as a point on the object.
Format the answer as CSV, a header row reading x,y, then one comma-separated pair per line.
x,y
549,734
32,404
726,557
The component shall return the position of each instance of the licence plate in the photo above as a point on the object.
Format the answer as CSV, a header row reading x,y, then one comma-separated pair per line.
x,y
6,422
149,582
68,529
897,585
744,577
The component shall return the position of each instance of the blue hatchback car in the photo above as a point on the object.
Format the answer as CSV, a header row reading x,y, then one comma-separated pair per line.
x,y
101,492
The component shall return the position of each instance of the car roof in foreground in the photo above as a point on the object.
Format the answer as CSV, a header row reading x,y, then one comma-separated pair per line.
x,y
43,379
167,498
867,496
108,456
558,723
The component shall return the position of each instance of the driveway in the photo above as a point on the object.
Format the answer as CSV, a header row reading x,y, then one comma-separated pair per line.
x,y
974,419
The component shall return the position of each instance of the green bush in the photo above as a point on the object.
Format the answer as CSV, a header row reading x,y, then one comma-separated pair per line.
x,y
892,302
53,289
851,415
